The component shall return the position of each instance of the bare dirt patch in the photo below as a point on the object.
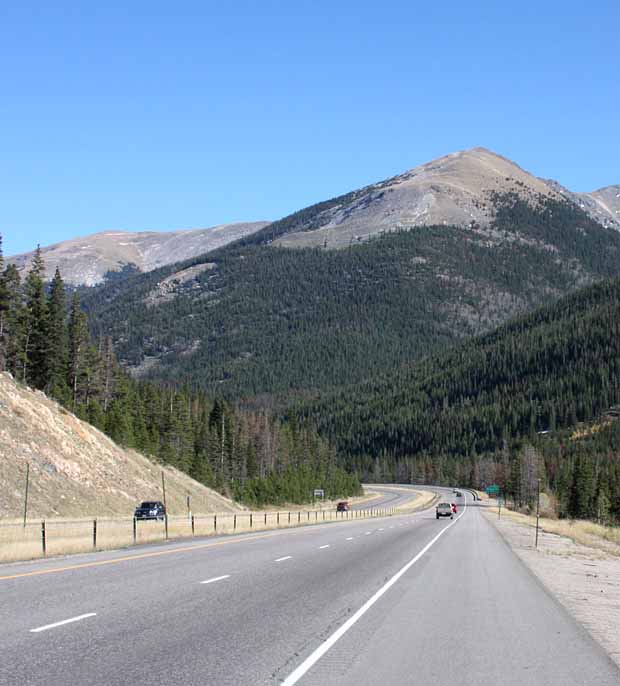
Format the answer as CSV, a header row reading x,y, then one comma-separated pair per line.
x,y
582,571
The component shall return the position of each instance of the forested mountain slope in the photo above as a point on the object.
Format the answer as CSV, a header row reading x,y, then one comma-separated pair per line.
x,y
253,318
252,455
547,370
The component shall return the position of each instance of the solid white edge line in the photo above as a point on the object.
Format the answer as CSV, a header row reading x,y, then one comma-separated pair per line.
x,y
64,621
313,658
349,539
281,559
323,546
216,578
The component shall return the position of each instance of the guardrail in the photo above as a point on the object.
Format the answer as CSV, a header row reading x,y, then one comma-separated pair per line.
x,y
48,537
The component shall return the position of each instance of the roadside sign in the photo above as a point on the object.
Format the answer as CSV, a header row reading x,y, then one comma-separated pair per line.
x,y
492,490
319,493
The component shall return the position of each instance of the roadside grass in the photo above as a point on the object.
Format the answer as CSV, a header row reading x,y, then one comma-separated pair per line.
x,y
69,536
586,533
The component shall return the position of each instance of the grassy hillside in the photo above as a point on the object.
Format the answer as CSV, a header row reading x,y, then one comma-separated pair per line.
x,y
75,470
258,319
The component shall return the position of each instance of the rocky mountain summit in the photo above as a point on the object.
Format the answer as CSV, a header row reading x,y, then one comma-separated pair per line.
x,y
87,260
456,189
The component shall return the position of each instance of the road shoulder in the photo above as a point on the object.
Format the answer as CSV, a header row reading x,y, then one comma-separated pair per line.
x,y
586,580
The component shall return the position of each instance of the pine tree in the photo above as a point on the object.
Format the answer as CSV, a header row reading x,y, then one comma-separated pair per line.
x,y
580,504
12,345
78,351
36,338
57,341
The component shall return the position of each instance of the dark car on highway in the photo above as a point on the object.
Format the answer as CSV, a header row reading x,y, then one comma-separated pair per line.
x,y
444,510
150,509
343,506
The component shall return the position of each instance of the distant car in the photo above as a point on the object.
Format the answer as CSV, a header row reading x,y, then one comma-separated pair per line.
x,y
458,494
343,506
150,509
444,510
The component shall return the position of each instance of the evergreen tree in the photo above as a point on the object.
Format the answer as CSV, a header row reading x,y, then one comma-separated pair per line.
x,y
580,504
12,346
57,361
36,350
79,343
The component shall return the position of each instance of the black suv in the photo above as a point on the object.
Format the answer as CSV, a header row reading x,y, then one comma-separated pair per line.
x,y
152,509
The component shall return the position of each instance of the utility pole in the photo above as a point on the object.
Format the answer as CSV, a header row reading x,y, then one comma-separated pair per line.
x,y
537,511
163,487
26,493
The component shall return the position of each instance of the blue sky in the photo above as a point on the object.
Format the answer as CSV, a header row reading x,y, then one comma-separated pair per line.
x,y
162,116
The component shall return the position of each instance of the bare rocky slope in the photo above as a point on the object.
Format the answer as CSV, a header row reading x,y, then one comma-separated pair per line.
x,y
75,470
452,190
86,260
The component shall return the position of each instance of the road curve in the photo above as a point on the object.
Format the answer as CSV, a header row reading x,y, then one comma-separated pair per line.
x,y
402,599
387,497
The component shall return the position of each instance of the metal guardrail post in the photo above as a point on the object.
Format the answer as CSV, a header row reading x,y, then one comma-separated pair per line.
x,y
166,524
278,518
250,520
214,523
265,519
43,538
94,534
234,522
135,533
193,526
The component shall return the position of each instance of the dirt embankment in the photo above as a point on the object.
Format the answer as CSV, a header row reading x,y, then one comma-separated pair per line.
x,y
578,562
77,471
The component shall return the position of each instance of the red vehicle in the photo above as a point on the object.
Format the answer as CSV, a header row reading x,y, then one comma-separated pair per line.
x,y
343,506
453,507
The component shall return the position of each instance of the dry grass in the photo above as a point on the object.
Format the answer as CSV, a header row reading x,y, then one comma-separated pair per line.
x,y
65,537
586,533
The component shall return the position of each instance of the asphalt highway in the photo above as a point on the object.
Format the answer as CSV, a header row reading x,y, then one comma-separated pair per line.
x,y
406,599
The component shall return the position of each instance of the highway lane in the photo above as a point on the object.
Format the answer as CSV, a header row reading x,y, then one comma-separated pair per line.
x,y
274,598
388,497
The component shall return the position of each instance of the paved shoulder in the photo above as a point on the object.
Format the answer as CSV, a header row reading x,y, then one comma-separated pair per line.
x,y
470,611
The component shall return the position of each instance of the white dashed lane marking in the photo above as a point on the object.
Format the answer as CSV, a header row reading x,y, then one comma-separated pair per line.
x,y
62,623
216,578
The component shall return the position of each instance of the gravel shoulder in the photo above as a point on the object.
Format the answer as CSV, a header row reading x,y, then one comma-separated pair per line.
x,y
585,579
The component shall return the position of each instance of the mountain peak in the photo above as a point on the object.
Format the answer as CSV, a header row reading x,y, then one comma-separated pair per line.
x,y
453,189
87,259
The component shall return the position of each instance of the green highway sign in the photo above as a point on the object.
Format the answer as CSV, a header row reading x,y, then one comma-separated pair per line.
x,y
492,490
